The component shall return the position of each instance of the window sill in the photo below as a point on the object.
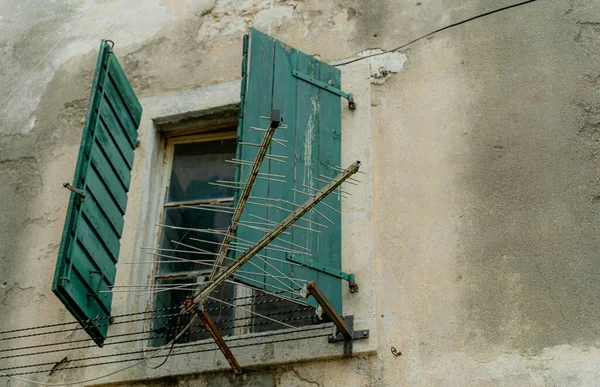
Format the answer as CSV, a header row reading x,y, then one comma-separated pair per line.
x,y
251,351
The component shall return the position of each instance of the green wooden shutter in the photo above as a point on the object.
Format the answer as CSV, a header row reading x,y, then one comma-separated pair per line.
x,y
313,116
89,249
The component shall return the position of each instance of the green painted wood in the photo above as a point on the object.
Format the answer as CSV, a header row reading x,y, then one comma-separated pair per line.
x,y
89,248
111,151
119,80
313,116
258,100
120,111
108,119
93,278
109,178
96,217
71,294
330,242
98,190
306,163
283,99
96,249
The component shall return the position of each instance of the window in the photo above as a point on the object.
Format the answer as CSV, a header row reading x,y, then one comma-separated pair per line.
x,y
274,76
190,234
195,214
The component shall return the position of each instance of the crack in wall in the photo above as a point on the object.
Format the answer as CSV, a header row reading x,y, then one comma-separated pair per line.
x,y
293,378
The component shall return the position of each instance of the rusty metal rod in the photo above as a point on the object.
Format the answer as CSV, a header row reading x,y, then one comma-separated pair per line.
x,y
245,194
216,335
338,321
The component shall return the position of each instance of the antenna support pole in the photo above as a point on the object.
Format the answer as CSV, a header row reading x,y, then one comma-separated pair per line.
x,y
274,123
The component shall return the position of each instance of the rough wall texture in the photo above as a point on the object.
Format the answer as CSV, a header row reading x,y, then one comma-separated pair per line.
x,y
485,154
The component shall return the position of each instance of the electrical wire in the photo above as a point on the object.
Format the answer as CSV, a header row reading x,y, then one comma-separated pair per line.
x,y
170,349
134,333
321,328
436,31
70,330
15,376
253,324
146,332
89,321
291,319
109,374
124,315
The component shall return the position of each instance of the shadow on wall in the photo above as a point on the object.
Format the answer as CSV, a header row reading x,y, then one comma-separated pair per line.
x,y
531,227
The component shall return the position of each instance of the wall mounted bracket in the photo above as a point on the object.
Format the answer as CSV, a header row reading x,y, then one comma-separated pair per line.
x,y
326,86
344,326
327,270
77,191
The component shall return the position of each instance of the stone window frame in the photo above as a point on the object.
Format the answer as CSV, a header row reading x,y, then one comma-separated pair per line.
x,y
193,105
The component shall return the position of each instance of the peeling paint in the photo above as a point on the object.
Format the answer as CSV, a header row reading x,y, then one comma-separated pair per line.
x,y
383,63
273,18
308,142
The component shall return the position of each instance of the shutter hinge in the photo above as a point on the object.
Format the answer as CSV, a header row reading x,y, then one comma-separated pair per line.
x,y
77,191
326,86
328,270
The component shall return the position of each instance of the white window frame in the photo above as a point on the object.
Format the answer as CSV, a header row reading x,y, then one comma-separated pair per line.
x,y
146,197
170,141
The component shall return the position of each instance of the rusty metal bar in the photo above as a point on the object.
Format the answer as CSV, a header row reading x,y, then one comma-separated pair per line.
x,y
338,321
216,335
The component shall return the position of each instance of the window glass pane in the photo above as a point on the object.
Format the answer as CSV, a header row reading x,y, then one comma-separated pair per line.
x,y
195,245
196,164
166,328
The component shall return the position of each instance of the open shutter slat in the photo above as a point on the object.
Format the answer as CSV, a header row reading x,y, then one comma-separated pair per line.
x,y
99,191
111,152
313,116
258,99
116,103
330,243
109,120
306,130
89,250
109,178
97,220
285,62
122,85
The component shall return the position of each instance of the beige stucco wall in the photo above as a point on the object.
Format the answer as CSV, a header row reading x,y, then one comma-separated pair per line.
x,y
484,170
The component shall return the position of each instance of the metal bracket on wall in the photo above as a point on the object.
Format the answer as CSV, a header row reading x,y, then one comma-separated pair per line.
x,y
328,270
76,190
326,86
344,325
